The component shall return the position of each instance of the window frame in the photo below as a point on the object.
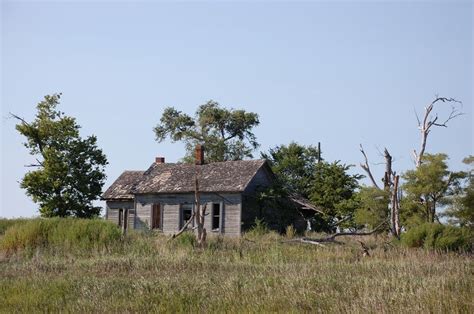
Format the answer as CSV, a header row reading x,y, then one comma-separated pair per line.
x,y
153,218
182,222
213,215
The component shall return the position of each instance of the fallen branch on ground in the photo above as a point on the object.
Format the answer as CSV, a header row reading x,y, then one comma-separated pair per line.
x,y
332,238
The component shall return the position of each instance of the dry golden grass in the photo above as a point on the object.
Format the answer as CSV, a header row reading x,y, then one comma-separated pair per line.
x,y
148,273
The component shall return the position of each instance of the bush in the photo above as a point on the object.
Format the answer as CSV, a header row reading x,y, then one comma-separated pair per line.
x,y
439,237
187,238
56,234
259,228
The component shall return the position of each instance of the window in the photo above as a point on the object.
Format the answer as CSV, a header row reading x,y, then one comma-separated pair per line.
x,y
156,216
186,213
120,217
123,218
216,216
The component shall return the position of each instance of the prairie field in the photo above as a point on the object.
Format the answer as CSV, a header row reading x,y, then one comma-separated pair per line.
x,y
147,272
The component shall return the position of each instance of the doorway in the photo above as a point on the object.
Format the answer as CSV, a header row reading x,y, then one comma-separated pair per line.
x,y
156,216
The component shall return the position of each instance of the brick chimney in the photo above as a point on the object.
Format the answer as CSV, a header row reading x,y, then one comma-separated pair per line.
x,y
199,155
160,160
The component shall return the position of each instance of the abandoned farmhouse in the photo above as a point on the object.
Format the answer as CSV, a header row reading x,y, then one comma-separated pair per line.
x,y
163,196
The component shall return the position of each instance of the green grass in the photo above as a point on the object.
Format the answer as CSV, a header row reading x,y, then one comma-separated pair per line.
x,y
60,235
146,272
7,223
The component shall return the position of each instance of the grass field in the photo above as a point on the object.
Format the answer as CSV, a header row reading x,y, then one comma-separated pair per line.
x,y
148,273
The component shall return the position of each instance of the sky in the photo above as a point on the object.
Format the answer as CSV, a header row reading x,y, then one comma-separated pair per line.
x,y
339,73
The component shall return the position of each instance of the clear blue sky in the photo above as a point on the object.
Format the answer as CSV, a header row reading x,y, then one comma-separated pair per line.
x,y
340,73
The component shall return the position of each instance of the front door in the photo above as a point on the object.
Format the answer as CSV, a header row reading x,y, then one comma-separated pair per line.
x,y
156,217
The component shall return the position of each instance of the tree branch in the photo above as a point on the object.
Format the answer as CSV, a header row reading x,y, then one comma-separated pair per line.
x,y
35,135
429,121
333,237
184,228
366,167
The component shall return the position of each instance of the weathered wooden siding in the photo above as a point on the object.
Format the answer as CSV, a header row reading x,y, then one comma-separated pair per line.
x,y
171,206
261,180
112,210
171,218
112,215
232,219
131,219
143,215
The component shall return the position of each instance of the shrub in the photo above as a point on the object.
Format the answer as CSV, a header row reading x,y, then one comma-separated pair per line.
x,y
439,237
259,228
56,234
187,238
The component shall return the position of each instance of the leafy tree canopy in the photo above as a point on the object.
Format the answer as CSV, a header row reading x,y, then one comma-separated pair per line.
x,y
428,186
225,133
69,172
334,190
327,185
373,209
461,210
294,166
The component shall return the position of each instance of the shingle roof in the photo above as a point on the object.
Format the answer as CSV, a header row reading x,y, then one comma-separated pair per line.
x,y
122,187
227,176
305,204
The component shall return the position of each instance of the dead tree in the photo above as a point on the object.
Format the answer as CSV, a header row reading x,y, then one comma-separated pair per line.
x,y
429,121
332,238
200,213
198,216
391,179
390,185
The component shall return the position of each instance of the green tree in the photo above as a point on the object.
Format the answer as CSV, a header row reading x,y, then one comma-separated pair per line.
x,y
335,191
301,171
69,172
226,134
428,186
461,209
294,166
373,209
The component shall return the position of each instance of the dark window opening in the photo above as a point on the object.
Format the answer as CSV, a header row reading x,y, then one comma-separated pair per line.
x,y
120,217
156,217
216,216
186,213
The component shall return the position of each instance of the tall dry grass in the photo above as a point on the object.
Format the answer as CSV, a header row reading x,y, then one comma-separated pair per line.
x,y
257,273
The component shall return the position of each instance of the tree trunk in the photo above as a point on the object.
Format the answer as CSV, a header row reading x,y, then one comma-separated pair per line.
x,y
200,212
391,186
395,209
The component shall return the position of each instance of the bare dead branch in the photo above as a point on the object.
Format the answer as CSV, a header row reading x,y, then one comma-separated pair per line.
x,y
37,138
340,234
365,248
19,118
429,121
332,238
184,228
341,221
366,167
